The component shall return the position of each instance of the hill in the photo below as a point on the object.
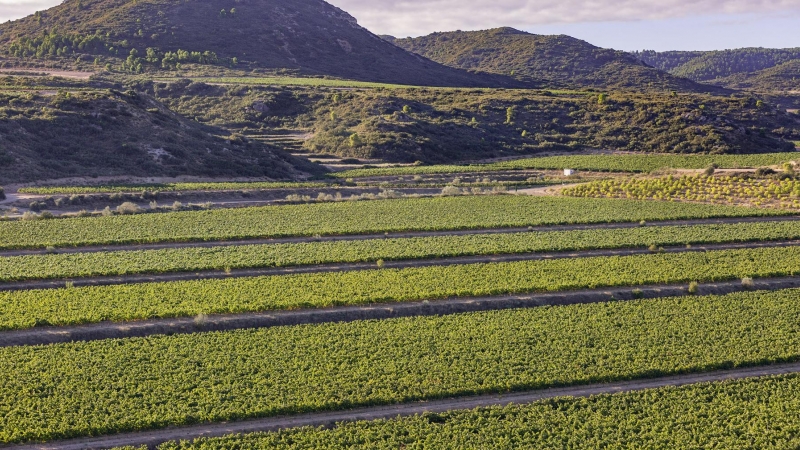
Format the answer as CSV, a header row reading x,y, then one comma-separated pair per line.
x,y
781,78
309,36
439,126
710,66
558,61
96,132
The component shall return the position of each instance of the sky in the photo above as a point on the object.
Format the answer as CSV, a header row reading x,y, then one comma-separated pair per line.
x,y
620,24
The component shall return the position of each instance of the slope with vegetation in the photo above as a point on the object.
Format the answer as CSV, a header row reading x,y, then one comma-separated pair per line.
x,y
713,66
108,132
553,60
445,125
781,78
307,35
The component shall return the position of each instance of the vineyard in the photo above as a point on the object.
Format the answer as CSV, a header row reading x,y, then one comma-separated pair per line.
x,y
77,305
736,414
66,265
599,163
426,214
102,387
734,190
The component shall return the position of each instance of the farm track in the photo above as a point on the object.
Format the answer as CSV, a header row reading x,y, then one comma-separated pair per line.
x,y
229,322
352,267
395,235
330,419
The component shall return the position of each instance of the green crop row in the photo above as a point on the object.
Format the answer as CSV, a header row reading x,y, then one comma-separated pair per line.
x,y
25,309
53,266
444,213
169,187
109,386
754,413
601,163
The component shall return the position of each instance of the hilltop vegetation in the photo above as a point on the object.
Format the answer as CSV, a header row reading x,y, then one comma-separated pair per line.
x,y
714,66
145,35
107,132
781,78
554,60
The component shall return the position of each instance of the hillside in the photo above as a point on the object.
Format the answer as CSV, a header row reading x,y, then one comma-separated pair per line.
x,y
559,61
781,78
452,125
310,36
710,66
50,135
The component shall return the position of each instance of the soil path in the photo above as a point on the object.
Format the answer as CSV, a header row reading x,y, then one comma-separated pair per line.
x,y
184,325
53,73
392,411
405,234
351,267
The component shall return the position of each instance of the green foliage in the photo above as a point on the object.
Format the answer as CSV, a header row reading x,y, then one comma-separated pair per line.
x,y
69,265
707,66
110,386
544,60
25,309
350,218
725,189
732,414
597,163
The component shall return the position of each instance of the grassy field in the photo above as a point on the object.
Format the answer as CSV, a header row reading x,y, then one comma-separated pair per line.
x,y
109,386
77,305
602,163
754,413
30,267
445,213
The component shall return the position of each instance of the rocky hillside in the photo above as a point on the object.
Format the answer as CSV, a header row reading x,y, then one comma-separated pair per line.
x,y
310,36
74,133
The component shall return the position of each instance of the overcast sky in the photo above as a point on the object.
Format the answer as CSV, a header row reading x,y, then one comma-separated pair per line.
x,y
620,24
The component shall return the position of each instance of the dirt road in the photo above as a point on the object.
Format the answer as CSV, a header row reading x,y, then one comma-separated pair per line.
x,y
385,412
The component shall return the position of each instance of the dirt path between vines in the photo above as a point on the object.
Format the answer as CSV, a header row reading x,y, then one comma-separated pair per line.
x,y
387,310
332,418
402,234
369,265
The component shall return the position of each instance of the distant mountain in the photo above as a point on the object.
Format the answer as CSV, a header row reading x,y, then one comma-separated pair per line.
x,y
558,61
307,35
710,66
108,133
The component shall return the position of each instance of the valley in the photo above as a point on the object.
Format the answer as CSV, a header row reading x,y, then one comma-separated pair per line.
x,y
257,224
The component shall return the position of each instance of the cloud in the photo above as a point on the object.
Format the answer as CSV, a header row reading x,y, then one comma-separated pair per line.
x,y
15,9
416,17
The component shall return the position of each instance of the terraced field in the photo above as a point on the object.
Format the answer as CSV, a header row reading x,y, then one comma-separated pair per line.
x,y
96,389
601,163
428,214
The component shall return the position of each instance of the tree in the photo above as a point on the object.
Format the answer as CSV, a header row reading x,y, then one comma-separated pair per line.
x,y
355,140
407,109
601,99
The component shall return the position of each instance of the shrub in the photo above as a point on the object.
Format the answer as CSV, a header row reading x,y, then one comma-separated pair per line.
x,y
450,191
29,215
747,283
693,287
128,208
2,194
107,212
